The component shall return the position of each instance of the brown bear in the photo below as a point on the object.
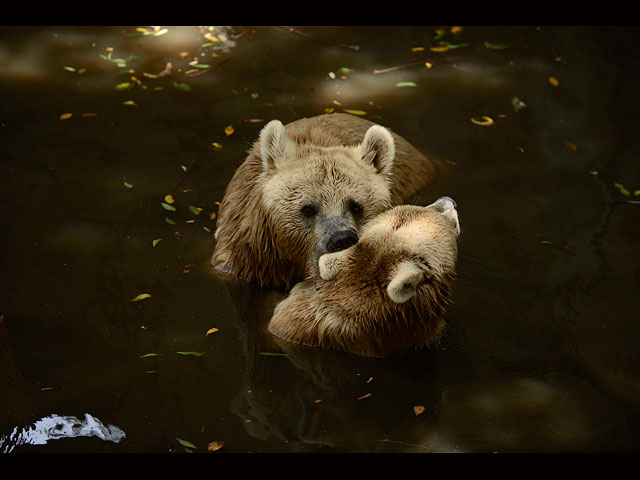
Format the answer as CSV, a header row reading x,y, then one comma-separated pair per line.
x,y
384,295
306,189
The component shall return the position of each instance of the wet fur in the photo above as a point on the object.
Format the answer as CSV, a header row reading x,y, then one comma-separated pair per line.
x,y
249,241
352,310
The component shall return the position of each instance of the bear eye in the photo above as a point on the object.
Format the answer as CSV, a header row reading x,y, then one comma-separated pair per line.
x,y
355,208
309,211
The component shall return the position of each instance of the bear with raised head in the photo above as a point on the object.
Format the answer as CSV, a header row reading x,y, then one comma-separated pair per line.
x,y
307,189
384,295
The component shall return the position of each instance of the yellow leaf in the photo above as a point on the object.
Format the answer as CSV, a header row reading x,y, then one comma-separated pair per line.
x,y
229,130
130,102
168,199
329,110
418,409
417,49
428,65
483,121
554,81
213,446
216,145
142,296
212,330
356,112
439,49
211,38
636,193
64,116
456,30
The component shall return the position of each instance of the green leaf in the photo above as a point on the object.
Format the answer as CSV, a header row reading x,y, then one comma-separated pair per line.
x,y
156,241
344,70
169,221
332,75
195,210
185,443
181,86
270,354
148,355
128,185
201,65
623,190
406,84
166,206
191,354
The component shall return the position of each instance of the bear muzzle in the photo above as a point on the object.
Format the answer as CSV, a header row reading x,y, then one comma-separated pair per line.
x,y
342,240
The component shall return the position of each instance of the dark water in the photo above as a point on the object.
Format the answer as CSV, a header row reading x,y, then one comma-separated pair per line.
x,y
541,350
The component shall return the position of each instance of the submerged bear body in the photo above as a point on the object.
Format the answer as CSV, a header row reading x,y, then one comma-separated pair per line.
x,y
307,189
383,296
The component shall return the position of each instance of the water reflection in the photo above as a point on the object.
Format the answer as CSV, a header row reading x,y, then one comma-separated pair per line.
x,y
55,427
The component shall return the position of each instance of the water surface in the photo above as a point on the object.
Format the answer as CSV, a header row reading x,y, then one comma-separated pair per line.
x,y
541,347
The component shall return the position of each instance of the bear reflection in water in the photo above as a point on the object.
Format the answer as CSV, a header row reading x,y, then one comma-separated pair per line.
x,y
386,294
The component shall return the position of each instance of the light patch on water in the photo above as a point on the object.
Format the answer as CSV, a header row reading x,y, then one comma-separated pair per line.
x,y
54,427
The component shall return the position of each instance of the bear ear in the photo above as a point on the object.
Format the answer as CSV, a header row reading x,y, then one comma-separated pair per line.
x,y
447,207
274,144
332,264
404,283
378,149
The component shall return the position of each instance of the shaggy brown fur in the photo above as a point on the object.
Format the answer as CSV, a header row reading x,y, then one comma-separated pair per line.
x,y
386,294
261,236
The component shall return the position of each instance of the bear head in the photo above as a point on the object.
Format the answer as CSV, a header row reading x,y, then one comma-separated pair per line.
x,y
384,295
318,198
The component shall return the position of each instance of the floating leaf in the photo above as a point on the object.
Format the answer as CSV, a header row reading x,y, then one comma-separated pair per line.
x,y
131,103
195,210
214,446
169,221
216,145
212,330
201,65
417,49
554,81
439,49
65,116
169,199
191,354
457,30
270,354
418,409
356,112
128,185
364,396
405,84
166,206
160,32
229,130
181,86
255,95
495,46
623,190
211,38
483,121
124,86
156,241
147,355
70,69
332,75
142,296
458,45
546,242
186,443
344,70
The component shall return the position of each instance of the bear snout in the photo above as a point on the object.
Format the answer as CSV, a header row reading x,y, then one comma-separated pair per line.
x,y
342,240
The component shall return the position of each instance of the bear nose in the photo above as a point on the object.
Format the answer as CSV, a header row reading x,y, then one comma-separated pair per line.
x,y
341,240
